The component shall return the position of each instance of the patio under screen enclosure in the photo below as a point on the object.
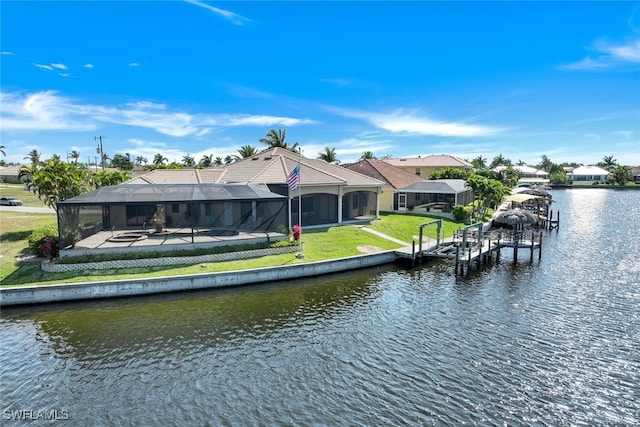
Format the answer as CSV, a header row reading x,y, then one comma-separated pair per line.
x,y
88,220
215,209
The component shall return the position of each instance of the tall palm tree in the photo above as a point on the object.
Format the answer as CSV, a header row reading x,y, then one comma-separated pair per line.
x,y
206,161
159,159
188,161
140,160
609,163
479,162
277,139
2,147
546,163
367,155
34,157
218,161
329,155
75,155
247,151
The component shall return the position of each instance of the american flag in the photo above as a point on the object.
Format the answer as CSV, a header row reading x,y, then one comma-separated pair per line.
x,y
293,180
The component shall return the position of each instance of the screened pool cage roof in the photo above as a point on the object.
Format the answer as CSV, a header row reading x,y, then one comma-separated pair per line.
x,y
172,193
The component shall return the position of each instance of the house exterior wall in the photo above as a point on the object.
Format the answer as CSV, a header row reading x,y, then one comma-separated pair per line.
x,y
386,200
423,171
588,178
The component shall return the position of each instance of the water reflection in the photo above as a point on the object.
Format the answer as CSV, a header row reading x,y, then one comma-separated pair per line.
x,y
553,342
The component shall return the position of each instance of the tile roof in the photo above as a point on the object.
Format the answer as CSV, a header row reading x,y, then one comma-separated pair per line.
x,y
180,176
451,186
436,160
271,166
393,177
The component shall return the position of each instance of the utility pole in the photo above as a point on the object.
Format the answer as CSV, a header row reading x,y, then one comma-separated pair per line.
x,y
99,149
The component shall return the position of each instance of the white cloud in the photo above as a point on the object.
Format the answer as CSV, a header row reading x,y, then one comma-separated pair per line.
x,y
410,123
88,65
44,67
338,82
59,66
6,52
41,111
234,18
608,55
134,64
48,111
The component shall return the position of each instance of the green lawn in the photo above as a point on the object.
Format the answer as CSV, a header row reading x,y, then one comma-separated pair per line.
x,y
319,244
17,190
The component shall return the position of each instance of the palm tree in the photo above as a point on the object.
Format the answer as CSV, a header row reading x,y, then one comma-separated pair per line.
x,y
609,163
479,162
140,160
277,139
188,161
217,161
499,160
159,160
367,155
546,163
75,155
247,151
34,157
206,161
229,159
2,147
329,155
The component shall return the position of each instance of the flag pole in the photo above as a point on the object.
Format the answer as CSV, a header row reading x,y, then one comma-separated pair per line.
x,y
300,254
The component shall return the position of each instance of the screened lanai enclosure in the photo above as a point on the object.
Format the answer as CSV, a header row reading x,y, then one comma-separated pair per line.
x,y
160,209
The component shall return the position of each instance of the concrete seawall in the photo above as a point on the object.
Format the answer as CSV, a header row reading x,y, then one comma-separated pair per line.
x,y
121,288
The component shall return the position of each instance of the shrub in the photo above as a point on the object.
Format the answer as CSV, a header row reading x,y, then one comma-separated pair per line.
x,y
297,231
44,241
460,214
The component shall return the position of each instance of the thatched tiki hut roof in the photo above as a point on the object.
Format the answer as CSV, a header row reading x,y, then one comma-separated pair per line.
x,y
537,190
515,216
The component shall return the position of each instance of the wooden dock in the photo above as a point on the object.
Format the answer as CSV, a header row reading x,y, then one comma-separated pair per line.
x,y
469,252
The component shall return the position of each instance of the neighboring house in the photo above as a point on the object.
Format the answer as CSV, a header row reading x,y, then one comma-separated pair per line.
x,y
11,174
425,166
589,174
527,174
440,194
635,172
394,179
330,193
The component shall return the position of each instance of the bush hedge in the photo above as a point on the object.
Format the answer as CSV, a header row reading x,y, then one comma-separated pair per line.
x,y
36,239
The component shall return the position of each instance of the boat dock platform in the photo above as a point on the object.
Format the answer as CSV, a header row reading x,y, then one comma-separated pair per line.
x,y
475,248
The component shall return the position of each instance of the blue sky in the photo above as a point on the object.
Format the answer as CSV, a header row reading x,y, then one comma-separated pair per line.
x,y
396,78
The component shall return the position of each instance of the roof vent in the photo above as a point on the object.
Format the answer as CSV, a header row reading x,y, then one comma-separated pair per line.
x,y
267,157
255,158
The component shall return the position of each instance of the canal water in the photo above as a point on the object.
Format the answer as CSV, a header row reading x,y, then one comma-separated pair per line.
x,y
553,342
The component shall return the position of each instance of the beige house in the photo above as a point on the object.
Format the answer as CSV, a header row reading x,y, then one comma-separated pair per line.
x,y
425,166
330,193
405,191
394,179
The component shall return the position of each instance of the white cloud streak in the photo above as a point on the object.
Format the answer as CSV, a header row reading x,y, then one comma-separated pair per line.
x,y
49,111
411,123
234,18
608,55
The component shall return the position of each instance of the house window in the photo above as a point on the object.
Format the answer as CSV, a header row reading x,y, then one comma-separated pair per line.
x,y
416,197
418,171
175,208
